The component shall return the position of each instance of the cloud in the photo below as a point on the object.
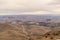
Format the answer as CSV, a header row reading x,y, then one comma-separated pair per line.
x,y
56,10
29,6
22,4
37,12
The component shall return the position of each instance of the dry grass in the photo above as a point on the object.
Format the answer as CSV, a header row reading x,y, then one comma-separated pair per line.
x,y
27,32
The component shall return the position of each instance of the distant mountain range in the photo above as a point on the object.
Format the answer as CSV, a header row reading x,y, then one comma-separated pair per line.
x,y
33,16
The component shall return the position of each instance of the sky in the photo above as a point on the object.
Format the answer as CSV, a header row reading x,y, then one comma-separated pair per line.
x,y
18,7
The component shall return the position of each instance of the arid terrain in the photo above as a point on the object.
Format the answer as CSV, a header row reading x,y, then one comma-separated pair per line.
x,y
30,27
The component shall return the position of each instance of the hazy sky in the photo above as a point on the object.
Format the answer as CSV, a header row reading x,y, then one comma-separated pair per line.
x,y
15,7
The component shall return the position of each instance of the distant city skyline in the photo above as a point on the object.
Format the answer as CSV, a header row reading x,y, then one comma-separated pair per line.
x,y
18,7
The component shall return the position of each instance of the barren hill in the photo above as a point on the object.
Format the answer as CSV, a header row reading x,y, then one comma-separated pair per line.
x,y
29,27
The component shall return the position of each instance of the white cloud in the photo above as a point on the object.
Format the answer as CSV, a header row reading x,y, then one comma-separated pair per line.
x,y
28,6
18,4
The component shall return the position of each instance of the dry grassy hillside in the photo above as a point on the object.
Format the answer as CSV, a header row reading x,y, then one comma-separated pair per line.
x,y
27,32
52,35
21,32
